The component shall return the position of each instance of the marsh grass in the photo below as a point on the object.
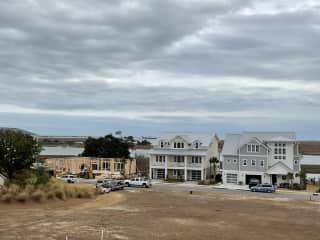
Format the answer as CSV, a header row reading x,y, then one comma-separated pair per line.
x,y
54,189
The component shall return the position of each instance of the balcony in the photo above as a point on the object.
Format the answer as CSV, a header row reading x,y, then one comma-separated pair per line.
x,y
175,164
156,164
194,165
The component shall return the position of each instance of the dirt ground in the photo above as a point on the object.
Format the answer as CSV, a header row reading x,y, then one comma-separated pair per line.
x,y
162,214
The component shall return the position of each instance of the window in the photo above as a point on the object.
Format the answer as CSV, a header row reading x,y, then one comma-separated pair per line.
x,y
244,163
261,163
106,165
296,162
253,148
253,162
94,166
175,172
232,178
160,158
280,151
235,161
249,147
118,166
196,159
284,177
178,144
196,145
161,144
178,158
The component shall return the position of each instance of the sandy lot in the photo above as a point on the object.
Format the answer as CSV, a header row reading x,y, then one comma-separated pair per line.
x,y
157,214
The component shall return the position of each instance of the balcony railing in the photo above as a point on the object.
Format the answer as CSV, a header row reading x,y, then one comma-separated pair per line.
x,y
154,163
175,164
194,165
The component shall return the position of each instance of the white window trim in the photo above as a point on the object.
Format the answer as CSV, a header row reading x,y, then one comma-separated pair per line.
x,y
245,160
255,162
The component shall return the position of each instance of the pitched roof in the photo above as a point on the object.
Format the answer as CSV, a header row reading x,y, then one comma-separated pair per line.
x,y
204,138
279,168
233,142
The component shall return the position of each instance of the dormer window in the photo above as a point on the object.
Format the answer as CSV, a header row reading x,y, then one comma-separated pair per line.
x,y
161,144
178,145
196,145
253,148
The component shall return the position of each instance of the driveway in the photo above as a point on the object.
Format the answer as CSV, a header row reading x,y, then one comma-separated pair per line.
x,y
209,188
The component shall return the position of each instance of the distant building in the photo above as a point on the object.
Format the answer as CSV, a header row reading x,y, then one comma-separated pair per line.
x,y
106,167
266,156
183,156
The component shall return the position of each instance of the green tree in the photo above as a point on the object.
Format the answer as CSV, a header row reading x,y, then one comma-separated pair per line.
x,y
106,147
18,151
213,162
290,177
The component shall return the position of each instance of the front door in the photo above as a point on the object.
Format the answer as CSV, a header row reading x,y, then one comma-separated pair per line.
x,y
274,179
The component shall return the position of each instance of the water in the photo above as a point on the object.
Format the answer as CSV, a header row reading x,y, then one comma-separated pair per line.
x,y
62,151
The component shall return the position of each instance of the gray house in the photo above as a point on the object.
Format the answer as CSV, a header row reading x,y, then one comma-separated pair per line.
x,y
266,156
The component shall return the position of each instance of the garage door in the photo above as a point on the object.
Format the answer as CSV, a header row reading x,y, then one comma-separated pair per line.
x,y
249,177
196,175
232,178
160,173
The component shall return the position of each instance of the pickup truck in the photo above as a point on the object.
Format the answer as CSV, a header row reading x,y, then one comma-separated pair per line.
x,y
138,182
69,178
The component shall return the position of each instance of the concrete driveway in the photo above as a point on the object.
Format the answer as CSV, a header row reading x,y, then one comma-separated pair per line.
x,y
210,188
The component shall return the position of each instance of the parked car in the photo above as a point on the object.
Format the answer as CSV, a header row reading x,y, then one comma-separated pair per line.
x,y
113,185
138,182
101,181
263,188
253,182
69,178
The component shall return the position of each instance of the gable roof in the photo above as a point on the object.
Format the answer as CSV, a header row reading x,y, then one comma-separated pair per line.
x,y
233,142
204,138
279,168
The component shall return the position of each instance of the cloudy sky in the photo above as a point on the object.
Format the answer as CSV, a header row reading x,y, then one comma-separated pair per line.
x,y
79,67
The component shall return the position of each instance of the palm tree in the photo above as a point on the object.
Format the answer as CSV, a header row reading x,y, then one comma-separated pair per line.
x,y
290,177
213,161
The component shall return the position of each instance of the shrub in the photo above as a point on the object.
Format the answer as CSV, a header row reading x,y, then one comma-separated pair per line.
x,y
22,197
51,195
7,197
60,194
38,196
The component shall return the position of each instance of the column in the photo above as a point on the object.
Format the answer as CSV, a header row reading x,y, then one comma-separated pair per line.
x,y
185,168
202,164
166,167
150,169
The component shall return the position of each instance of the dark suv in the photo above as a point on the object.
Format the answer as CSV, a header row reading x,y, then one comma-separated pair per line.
x,y
253,182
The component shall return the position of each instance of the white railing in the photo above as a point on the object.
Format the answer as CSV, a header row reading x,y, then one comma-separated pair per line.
x,y
154,163
194,165
175,164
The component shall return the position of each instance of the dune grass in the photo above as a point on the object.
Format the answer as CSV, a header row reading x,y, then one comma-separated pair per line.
x,y
53,190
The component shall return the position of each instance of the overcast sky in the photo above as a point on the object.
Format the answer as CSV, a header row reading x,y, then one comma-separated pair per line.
x,y
79,67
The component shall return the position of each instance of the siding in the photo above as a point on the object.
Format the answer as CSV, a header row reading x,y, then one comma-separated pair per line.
x,y
256,168
228,163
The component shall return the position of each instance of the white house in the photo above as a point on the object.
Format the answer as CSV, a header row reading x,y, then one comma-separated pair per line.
x,y
183,156
266,156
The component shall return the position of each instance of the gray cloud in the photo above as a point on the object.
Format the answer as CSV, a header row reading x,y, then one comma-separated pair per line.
x,y
160,60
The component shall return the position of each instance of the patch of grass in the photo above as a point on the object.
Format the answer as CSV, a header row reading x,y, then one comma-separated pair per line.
x,y
54,189
38,196
22,197
7,198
